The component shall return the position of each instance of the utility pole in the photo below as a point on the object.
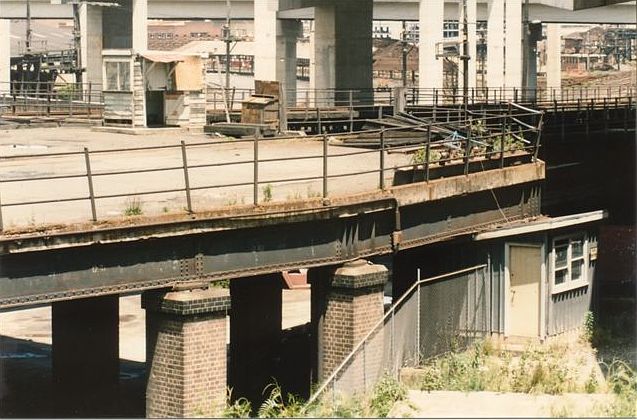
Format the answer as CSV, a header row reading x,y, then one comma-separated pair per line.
x,y
227,39
29,32
465,57
404,52
77,44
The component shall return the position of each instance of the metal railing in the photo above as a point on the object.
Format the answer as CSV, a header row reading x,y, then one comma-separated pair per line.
x,y
469,143
538,96
51,99
434,316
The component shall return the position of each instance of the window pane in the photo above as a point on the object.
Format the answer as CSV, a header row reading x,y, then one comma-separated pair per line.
x,y
124,76
111,76
577,249
577,267
561,256
560,276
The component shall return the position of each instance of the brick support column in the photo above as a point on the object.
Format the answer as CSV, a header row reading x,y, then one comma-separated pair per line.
x,y
85,357
186,354
255,334
354,305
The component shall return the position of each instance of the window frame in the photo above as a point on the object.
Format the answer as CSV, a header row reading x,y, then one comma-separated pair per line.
x,y
569,283
120,85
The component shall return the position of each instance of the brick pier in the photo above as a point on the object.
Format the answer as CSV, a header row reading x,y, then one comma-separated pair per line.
x,y
186,355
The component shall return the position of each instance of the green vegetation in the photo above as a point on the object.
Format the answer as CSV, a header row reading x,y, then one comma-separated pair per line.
x,y
275,406
420,156
267,193
377,403
133,207
239,409
480,368
622,381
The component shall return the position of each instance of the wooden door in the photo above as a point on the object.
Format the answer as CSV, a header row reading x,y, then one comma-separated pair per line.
x,y
525,273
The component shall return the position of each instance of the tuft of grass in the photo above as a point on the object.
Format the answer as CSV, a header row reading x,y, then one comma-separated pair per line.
x,y
267,193
386,393
275,406
133,207
622,380
239,409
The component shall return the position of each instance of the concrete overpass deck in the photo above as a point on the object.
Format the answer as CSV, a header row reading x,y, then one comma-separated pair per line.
x,y
553,11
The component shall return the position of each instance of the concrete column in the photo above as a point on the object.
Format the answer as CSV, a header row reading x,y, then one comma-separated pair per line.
x,y
91,43
472,18
323,54
513,44
275,46
431,16
255,334
354,24
495,44
342,50
553,58
354,304
5,55
186,358
140,25
85,356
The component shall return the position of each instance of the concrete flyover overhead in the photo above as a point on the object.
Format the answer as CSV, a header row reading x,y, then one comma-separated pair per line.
x,y
562,11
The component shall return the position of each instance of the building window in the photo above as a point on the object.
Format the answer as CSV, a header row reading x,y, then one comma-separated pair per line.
x,y
117,75
570,261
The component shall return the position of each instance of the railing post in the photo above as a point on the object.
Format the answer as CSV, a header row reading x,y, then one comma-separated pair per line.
x,y
382,160
89,178
325,191
605,118
256,169
502,140
186,178
88,110
351,111
393,348
318,119
427,153
467,152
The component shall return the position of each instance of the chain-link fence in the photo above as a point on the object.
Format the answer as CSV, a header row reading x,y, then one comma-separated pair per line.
x,y
436,315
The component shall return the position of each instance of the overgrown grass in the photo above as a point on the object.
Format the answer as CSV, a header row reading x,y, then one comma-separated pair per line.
x,y
481,368
377,403
622,381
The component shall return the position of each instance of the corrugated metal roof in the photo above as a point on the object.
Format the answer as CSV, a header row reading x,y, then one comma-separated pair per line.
x,y
541,224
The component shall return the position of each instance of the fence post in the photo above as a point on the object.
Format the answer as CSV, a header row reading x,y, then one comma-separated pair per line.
x,y
467,152
392,347
364,366
351,111
318,119
427,153
89,178
71,102
382,160
256,169
502,140
605,118
89,100
418,320
325,166
186,178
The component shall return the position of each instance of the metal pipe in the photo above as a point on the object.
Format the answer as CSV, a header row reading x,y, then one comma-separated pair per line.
x,y
186,178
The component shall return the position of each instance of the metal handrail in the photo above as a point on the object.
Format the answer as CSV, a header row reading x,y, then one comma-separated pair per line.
x,y
390,313
423,129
